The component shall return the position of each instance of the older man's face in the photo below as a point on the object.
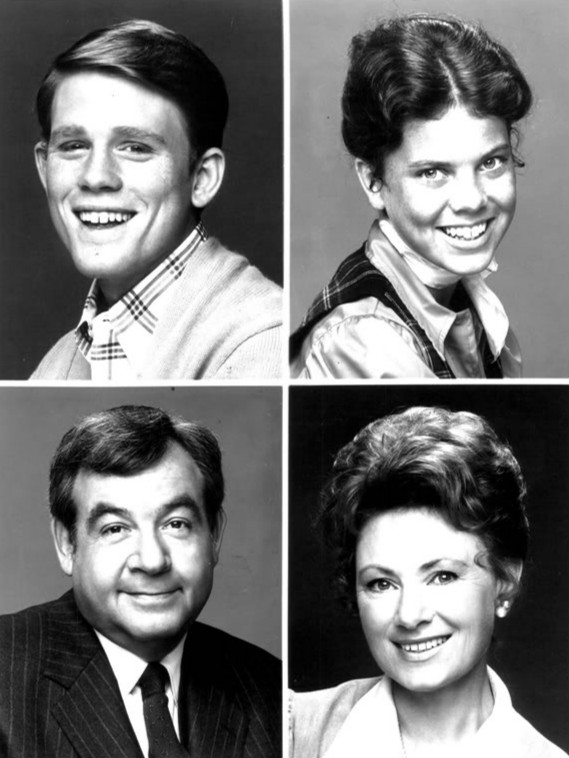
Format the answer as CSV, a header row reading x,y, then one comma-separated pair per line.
x,y
143,559
116,171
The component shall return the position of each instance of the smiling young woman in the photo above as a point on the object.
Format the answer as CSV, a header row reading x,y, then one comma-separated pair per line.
x,y
429,109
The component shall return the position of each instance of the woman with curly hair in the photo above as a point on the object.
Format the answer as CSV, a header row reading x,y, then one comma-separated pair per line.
x,y
430,107
425,518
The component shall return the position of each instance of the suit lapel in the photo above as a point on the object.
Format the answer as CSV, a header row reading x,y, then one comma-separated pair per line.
x,y
212,721
90,711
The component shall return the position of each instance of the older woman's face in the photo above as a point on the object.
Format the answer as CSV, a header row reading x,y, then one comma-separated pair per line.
x,y
450,189
426,607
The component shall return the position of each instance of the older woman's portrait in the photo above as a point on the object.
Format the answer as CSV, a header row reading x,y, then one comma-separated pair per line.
x,y
443,535
416,131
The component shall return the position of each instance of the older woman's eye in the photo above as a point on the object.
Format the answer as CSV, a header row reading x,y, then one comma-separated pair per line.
x,y
379,585
444,577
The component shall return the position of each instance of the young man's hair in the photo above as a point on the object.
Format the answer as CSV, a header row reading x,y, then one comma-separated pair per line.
x,y
153,56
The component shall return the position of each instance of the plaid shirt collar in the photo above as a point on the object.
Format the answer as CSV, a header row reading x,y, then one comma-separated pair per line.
x,y
133,318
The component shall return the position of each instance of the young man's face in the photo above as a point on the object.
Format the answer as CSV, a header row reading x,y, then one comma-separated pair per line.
x,y
116,171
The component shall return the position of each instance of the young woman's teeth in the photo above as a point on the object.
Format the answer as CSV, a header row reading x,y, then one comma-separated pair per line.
x,y
100,218
466,232
420,647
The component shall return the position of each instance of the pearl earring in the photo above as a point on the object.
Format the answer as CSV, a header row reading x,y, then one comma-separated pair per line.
x,y
503,609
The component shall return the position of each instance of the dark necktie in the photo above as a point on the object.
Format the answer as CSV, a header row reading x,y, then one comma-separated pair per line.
x,y
162,739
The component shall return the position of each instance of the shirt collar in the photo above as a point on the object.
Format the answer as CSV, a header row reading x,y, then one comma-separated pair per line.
x,y
128,667
373,720
137,306
434,318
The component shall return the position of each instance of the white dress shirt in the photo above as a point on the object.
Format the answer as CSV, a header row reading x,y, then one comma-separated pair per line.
x,y
128,668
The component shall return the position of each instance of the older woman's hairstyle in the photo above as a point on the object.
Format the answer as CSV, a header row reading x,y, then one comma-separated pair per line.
x,y
156,57
450,462
127,440
416,67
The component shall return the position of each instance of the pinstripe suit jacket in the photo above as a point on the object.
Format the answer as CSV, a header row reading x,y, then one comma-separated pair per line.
x,y
59,697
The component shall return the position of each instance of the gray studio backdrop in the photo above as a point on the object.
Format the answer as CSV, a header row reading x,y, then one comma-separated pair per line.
x,y
41,294
330,216
246,598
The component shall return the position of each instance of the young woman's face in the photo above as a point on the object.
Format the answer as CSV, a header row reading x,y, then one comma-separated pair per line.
x,y
426,604
450,189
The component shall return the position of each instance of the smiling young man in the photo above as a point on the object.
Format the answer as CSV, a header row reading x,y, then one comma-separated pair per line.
x,y
135,499
132,119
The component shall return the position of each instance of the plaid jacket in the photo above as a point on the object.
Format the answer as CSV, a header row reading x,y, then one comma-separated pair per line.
x,y
355,279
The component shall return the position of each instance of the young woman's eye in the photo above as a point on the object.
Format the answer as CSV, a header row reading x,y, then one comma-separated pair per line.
x,y
493,163
431,174
444,577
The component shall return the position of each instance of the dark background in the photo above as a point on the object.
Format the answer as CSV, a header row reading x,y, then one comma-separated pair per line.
x,y
41,294
326,644
246,597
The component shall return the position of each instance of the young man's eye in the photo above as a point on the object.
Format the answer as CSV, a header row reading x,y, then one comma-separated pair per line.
x,y
136,148
71,146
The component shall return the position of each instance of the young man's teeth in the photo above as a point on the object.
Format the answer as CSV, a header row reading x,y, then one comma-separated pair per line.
x,y
466,232
100,218
420,647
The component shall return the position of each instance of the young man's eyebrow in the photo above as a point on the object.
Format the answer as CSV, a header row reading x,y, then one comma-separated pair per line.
x,y
142,135
126,132
68,130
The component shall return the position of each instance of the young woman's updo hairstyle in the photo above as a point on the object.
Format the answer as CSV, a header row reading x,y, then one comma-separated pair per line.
x,y
416,67
449,462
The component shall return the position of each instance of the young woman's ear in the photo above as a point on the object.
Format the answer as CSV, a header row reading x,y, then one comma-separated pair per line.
x,y
371,186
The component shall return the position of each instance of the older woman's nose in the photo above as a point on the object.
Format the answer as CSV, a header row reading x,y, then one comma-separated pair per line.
x,y
414,607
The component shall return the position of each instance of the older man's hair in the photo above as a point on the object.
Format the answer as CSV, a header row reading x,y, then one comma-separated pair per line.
x,y
153,56
127,440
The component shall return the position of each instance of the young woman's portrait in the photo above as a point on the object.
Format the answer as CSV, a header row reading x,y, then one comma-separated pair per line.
x,y
408,165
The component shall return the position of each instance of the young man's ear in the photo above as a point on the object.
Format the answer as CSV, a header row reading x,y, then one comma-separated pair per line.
x,y
207,177
64,546
40,153
371,186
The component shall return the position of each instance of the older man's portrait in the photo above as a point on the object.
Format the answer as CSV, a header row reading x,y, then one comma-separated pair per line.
x,y
144,121
149,511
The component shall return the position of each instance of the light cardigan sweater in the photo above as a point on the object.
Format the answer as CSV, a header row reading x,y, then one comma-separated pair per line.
x,y
358,719
224,321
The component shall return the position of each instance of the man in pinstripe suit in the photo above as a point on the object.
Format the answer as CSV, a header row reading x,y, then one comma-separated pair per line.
x,y
135,498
